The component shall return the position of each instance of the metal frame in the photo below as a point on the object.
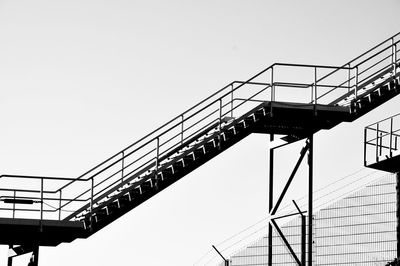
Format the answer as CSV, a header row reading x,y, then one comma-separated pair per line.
x,y
151,154
308,148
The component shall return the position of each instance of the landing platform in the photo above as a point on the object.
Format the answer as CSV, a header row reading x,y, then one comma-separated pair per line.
x,y
47,232
302,119
390,164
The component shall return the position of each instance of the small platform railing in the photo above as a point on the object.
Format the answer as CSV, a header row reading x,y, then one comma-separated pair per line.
x,y
382,140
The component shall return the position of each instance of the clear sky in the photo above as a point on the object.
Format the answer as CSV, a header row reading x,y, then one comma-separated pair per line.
x,y
79,80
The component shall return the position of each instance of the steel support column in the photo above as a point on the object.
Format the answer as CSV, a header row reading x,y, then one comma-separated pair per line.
x,y
35,255
10,259
398,215
270,199
310,199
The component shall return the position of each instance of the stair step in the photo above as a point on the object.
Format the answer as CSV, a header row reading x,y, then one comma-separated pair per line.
x,y
209,146
249,121
178,166
167,173
228,134
111,207
99,215
198,153
123,200
188,160
260,114
147,185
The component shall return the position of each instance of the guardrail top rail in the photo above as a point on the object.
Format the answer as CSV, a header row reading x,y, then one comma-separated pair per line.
x,y
63,198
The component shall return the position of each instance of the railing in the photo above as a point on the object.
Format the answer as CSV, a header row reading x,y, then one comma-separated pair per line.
x,y
382,140
70,198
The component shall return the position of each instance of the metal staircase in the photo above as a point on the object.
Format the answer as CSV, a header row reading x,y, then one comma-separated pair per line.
x,y
52,210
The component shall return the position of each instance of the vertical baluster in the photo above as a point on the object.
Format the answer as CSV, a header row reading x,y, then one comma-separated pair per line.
x,y
356,84
232,100
391,136
122,166
59,205
91,202
15,195
182,128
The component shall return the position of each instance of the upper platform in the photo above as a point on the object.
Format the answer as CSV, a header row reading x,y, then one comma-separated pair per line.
x,y
382,145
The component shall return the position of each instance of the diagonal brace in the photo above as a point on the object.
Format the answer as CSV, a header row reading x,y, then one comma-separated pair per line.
x,y
286,242
302,154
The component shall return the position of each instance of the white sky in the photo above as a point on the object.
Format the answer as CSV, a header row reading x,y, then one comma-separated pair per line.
x,y
79,80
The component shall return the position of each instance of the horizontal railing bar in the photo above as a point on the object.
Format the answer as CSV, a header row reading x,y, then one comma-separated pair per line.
x,y
38,177
383,120
377,53
311,66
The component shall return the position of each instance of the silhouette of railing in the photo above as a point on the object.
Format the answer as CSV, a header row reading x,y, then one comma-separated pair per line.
x,y
71,198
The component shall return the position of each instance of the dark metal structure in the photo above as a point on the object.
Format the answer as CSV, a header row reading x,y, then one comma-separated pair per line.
x,y
382,152
46,211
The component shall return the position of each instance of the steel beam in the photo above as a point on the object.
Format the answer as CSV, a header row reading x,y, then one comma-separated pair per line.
x,y
286,242
302,154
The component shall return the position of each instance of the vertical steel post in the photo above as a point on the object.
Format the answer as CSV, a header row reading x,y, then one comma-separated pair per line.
x,y
59,205
157,154
395,59
15,195
393,55
391,136
219,123
365,146
36,255
41,203
182,128
122,166
91,202
315,86
348,79
232,100
377,143
10,259
272,88
398,213
310,200
270,199
356,83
